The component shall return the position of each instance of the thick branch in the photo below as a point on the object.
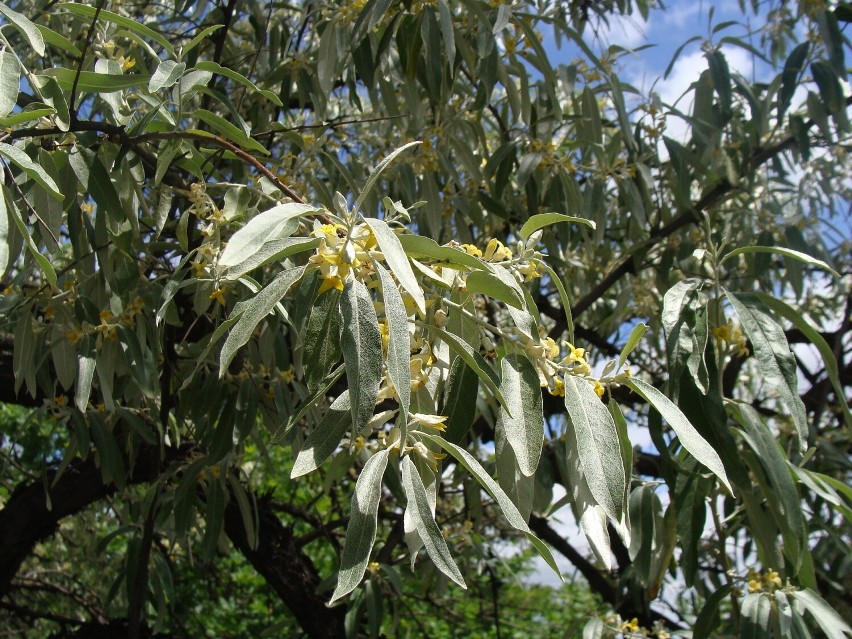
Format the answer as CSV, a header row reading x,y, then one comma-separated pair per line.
x,y
35,509
287,570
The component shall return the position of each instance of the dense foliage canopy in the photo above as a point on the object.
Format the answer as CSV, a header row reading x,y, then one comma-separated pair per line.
x,y
315,314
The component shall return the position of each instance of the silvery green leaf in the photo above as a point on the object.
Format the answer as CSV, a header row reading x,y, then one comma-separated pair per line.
x,y
524,427
85,373
325,438
397,261
476,362
271,251
374,175
780,250
597,445
832,624
755,616
361,343
776,360
492,286
35,171
398,361
536,222
10,82
510,511
168,72
789,313
361,531
252,311
27,28
519,487
262,228
689,438
635,337
421,513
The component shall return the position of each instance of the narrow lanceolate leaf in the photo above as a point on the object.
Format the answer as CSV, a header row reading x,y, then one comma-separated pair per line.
x,y
252,311
418,246
262,228
361,531
510,511
781,494
777,364
36,172
27,28
780,250
5,236
91,82
168,72
85,374
397,261
635,337
233,75
325,438
597,445
536,222
272,251
490,285
398,361
376,173
361,342
476,362
689,438
525,431
790,314
459,406
421,514
10,81
832,624
41,260
229,131
88,11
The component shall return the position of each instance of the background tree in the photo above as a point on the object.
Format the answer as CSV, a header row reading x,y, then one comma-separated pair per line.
x,y
300,294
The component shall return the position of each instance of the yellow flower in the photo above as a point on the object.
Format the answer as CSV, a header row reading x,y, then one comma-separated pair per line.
x,y
358,444
558,389
754,585
73,336
288,375
385,332
61,401
329,282
496,251
427,455
772,578
630,626
198,268
575,354
551,348
127,64
599,389
430,421
470,249
218,295
374,567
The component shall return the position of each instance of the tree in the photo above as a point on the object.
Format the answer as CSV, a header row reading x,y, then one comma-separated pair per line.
x,y
307,292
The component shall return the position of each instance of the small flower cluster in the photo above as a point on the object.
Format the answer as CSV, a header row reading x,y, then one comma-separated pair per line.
x,y
263,377
768,581
342,253
632,629
730,338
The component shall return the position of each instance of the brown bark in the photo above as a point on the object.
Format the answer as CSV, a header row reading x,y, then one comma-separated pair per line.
x,y
287,570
